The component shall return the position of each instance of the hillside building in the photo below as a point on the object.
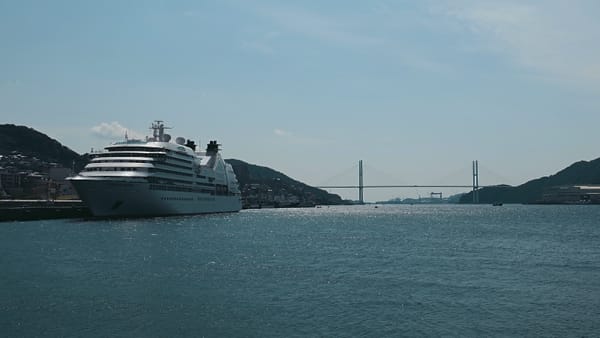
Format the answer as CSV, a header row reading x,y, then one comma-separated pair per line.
x,y
572,194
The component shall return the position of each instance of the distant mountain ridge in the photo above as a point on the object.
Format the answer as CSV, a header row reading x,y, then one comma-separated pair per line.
x,y
29,142
578,173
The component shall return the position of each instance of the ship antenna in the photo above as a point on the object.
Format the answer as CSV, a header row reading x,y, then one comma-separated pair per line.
x,y
158,128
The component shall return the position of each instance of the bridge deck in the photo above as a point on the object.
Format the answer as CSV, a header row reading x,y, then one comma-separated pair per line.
x,y
398,186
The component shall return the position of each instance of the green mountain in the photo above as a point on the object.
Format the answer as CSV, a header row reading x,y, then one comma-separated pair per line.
x,y
30,143
263,181
579,173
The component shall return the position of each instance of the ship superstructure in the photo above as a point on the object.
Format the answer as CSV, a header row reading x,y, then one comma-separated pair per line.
x,y
158,177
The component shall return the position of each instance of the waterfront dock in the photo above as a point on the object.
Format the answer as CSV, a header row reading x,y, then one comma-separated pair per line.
x,y
28,210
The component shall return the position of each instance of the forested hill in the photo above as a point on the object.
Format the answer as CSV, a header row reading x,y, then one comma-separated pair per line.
x,y
31,143
579,173
249,174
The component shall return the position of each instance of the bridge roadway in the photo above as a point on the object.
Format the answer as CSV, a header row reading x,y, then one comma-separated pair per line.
x,y
399,186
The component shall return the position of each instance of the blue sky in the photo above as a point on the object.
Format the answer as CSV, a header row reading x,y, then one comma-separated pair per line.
x,y
416,89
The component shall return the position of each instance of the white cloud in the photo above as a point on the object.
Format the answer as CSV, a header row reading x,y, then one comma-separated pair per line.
x,y
556,39
319,26
114,130
282,133
380,29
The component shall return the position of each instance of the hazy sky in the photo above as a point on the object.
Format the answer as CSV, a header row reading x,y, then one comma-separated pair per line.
x,y
416,89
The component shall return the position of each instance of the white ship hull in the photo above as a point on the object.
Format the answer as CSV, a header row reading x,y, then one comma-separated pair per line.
x,y
155,177
115,198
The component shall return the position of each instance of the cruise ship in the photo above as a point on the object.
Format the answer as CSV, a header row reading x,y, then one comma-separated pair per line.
x,y
157,177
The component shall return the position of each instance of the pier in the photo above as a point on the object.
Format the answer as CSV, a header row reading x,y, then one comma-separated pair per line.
x,y
29,210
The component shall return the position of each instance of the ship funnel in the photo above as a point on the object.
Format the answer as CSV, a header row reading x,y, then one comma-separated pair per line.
x,y
191,144
212,148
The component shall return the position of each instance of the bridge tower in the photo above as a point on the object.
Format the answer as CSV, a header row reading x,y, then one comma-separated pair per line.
x,y
360,182
475,182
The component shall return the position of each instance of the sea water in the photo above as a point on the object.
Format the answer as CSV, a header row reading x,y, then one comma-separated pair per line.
x,y
353,271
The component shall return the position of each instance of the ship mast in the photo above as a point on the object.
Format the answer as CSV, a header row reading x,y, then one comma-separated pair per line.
x,y
158,131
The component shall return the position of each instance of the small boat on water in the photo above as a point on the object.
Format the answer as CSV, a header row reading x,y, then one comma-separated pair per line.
x,y
497,204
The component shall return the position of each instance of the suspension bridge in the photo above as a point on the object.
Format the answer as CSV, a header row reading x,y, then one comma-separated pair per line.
x,y
361,186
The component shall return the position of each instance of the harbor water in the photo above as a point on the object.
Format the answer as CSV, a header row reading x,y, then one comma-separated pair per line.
x,y
352,271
